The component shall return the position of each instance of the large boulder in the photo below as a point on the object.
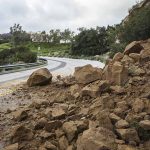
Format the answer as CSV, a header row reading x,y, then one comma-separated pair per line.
x,y
87,74
97,139
116,73
40,77
134,47
119,73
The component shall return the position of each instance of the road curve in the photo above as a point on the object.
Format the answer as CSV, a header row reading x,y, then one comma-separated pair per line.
x,y
62,66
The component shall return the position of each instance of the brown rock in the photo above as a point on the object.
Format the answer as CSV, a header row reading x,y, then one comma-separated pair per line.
x,y
104,120
135,56
138,105
95,89
41,123
20,115
136,71
53,125
58,113
118,56
87,74
117,89
97,139
21,133
128,135
122,124
145,124
134,47
114,118
70,129
12,147
63,143
119,74
127,60
40,77
145,55
126,147
49,146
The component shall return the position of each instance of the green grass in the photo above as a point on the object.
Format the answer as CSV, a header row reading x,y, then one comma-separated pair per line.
x,y
58,50
5,46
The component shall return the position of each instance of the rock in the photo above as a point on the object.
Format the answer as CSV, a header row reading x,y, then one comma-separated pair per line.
x,y
40,77
82,125
38,103
128,135
127,60
12,147
20,115
70,147
114,118
59,133
90,90
119,74
138,105
122,124
58,113
135,57
53,125
134,47
41,123
136,71
118,56
145,124
44,135
63,143
49,146
21,133
126,147
104,120
145,55
97,139
117,89
70,129
87,74
95,89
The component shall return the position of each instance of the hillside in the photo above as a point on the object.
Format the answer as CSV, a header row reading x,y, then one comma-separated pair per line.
x,y
98,109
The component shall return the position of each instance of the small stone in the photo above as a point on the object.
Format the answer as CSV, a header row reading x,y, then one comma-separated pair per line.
x,y
70,129
63,143
53,125
122,124
49,146
114,118
145,124
20,115
12,147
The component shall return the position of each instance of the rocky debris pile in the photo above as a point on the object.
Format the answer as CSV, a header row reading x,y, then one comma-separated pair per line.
x,y
96,109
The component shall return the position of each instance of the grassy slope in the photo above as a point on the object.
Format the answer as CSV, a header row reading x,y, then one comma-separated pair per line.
x,y
59,50
4,46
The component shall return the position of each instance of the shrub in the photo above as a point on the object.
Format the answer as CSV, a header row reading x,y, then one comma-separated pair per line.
x,y
9,56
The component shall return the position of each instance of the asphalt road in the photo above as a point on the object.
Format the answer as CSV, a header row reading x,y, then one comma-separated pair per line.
x,y
57,66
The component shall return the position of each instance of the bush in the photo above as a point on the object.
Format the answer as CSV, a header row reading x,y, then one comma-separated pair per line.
x,y
137,27
14,55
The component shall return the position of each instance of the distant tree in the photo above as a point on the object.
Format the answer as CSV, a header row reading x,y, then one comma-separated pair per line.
x,y
18,36
67,35
55,36
90,42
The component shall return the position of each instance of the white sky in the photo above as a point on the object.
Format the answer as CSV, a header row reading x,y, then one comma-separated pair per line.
x,y
38,15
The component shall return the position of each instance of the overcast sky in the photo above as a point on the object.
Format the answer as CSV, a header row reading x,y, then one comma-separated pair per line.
x,y
37,15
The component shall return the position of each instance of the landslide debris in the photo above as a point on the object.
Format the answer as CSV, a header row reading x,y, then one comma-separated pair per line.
x,y
97,109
